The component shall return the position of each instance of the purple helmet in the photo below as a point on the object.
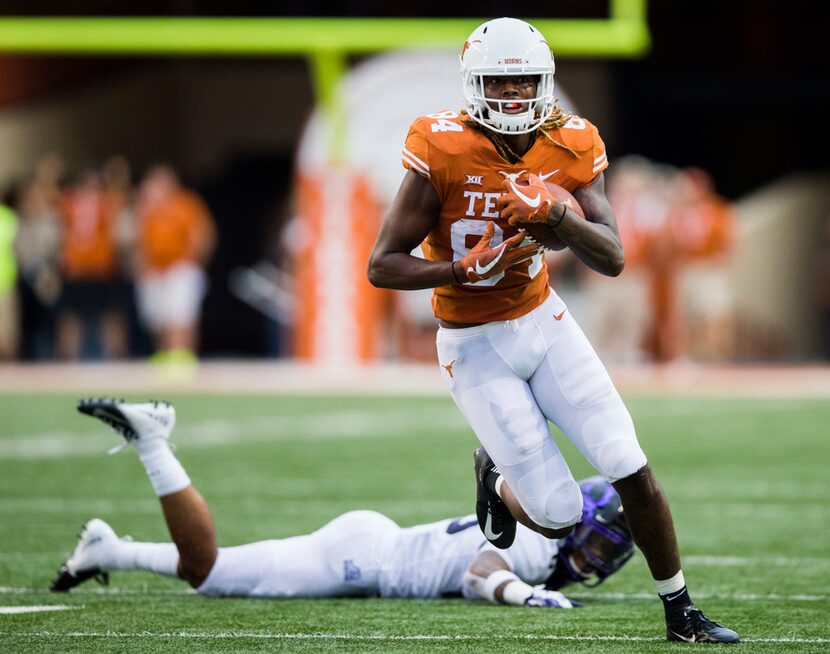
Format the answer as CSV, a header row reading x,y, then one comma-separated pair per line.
x,y
601,538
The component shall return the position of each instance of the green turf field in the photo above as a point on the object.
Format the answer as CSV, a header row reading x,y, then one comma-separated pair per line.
x,y
747,480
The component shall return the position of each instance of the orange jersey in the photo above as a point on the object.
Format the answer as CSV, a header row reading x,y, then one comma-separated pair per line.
x,y
641,222
467,172
172,231
703,229
88,244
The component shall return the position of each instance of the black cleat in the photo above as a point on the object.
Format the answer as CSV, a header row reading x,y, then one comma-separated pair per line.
x,y
85,561
137,423
687,624
108,412
66,580
494,518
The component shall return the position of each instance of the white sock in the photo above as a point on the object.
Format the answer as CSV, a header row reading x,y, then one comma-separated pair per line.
x,y
163,468
498,484
161,558
671,585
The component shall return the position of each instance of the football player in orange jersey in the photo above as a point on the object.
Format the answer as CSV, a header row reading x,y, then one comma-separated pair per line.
x,y
511,353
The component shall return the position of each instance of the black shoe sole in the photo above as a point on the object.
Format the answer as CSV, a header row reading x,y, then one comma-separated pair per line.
x,y
106,411
66,580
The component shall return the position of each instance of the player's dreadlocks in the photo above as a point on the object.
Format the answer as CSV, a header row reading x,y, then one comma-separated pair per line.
x,y
558,118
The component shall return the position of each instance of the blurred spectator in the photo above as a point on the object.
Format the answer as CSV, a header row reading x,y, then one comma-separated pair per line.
x,y
91,324
674,298
703,226
617,310
8,275
48,176
121,197
37,246
176,237
662,259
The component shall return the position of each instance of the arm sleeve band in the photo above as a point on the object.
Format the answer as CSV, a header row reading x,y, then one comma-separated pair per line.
x,y
515,592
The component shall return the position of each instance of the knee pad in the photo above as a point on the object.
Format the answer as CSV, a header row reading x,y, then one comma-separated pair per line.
x,y
561,507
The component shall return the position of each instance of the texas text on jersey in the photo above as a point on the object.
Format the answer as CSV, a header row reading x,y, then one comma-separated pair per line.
x,y
467,172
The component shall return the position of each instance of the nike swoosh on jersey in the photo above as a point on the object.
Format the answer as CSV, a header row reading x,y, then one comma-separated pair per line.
x,y
544,177
559,316
480,270
531,202
488,529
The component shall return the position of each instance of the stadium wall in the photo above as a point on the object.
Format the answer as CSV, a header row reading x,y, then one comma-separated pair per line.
x,y
776,296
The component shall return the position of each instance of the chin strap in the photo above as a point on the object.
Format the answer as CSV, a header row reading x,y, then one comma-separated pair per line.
x,y
566,573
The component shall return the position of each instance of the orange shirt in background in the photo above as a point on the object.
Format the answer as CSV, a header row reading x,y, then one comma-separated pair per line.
x,y
704,229
639,220
174,230
88,247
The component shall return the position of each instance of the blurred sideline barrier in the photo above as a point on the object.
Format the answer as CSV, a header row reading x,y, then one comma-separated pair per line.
x,y
236,377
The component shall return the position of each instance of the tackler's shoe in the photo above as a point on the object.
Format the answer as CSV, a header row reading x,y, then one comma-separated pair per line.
x,y
687,624
137,423
88,558
494,518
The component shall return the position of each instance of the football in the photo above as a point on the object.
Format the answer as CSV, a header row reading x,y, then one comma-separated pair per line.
x,y
543,234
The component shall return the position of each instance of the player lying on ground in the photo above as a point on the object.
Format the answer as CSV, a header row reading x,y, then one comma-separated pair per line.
x,y
360,553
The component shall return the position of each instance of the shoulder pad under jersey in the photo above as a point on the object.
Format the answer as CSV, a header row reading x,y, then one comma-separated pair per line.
x,y
581,136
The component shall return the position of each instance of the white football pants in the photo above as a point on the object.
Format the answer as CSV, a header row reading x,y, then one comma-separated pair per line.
x,y
341,559
510,377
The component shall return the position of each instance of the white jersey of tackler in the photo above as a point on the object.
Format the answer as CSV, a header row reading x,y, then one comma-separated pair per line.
x,y
364,553
430,560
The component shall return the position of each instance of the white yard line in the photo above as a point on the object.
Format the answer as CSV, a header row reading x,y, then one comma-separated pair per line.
x,y
90,506
725,597
96,590
237,635
218,433
42,608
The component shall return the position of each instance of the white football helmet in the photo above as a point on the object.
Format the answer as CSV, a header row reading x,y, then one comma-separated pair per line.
x,y
507,46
